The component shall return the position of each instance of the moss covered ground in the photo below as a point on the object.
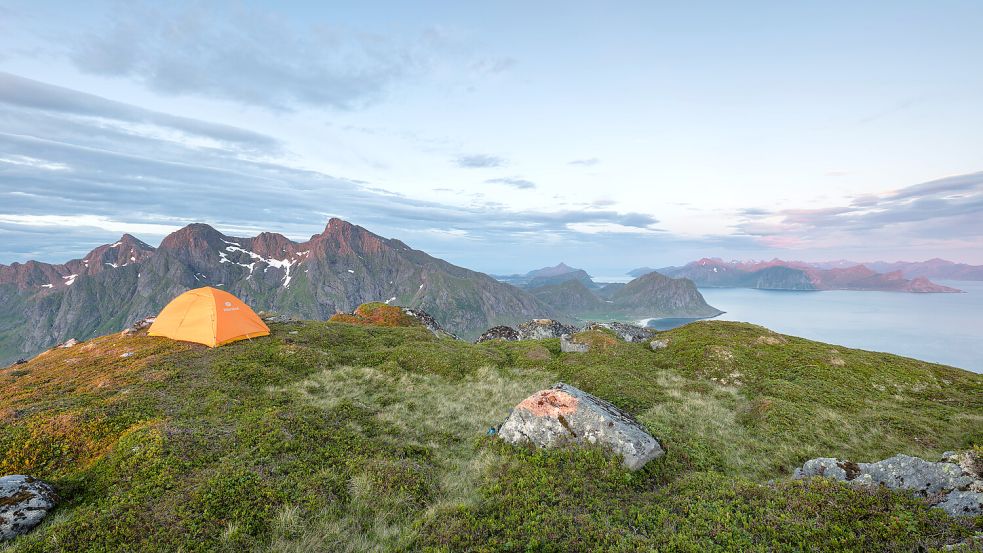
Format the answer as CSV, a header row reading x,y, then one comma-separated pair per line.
x,y
330,436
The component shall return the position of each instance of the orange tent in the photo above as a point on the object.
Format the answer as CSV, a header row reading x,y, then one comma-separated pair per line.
x,y
208,316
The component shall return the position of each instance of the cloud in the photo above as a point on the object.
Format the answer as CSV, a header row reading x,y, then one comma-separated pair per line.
x,y
87,221
587,162
57,101
494,65
948,210
251,56
514,182
69,181
479,161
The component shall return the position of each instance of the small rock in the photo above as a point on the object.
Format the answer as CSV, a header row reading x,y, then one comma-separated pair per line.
x,y
567,345
539,329
277,318
564,414
143,323
501,332
658,344
72,342
128,332
20,362
24,502
127,354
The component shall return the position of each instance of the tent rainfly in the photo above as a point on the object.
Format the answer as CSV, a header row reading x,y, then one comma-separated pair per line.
x,y
208,316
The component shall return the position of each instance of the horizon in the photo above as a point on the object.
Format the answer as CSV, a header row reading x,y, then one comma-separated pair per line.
x,y
518,271
651,135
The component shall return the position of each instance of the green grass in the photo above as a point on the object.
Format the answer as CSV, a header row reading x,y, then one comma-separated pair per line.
x,y
339,437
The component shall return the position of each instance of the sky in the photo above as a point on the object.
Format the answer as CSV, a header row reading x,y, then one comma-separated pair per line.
x,y
502,136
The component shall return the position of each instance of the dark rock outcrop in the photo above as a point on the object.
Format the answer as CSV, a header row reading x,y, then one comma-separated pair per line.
x,y
24,502
564,414
500,332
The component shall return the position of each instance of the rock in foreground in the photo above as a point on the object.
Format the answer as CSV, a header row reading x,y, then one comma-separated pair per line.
x,y
955,484
539,329
564,414
24,502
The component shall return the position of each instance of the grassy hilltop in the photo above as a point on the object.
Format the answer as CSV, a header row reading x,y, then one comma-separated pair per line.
x,y
333,436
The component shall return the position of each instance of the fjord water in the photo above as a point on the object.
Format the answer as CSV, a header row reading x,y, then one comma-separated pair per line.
x,y
942,328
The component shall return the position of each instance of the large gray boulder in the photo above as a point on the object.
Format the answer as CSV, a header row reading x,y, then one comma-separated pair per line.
x,y
24,502
539,329
953,483
627,332
564,414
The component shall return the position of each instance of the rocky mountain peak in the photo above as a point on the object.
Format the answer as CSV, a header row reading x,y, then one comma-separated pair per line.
x,y
272,244
192,237
125,251
345,238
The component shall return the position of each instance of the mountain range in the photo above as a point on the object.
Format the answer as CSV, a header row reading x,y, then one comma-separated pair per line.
x,y
572,291
43,304
549,275
796,275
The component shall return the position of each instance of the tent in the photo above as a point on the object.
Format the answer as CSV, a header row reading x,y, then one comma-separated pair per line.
x,y
208,316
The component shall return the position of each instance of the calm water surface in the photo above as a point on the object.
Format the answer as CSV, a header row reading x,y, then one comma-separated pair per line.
x,y
943,328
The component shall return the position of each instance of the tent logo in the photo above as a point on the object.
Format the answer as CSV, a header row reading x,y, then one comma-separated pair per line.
x,y
228,304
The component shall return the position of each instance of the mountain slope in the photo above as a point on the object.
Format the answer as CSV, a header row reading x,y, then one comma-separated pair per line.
x,y
339,437
656,295
337,270
933,268
570,297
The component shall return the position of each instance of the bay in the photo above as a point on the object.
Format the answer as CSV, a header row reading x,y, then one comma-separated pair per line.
x,y
941,328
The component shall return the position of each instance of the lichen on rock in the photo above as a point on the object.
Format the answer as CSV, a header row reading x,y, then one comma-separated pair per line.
x,y
952,484
24,502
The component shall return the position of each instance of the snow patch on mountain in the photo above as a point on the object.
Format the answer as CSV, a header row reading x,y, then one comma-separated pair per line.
x,y
284,264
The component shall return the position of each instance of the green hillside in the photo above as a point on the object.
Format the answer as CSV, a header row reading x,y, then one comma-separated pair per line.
x,y
341,437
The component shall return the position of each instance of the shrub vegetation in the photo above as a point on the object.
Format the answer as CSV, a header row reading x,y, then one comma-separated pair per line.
x,y
333,436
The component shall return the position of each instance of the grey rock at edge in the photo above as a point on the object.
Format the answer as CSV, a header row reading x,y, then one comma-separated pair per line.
x,y
955,485
24,502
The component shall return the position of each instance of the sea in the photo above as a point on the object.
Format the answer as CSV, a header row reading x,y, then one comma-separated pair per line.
x,y
942,328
